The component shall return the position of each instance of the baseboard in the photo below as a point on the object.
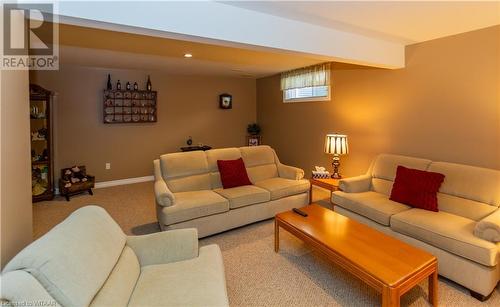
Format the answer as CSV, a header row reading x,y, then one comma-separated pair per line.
x,y
112,183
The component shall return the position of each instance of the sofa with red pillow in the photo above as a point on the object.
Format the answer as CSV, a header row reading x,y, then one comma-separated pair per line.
x,y
448,209
221,189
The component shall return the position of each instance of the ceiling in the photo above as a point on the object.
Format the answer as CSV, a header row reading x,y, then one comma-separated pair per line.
x,y
401,21
102,48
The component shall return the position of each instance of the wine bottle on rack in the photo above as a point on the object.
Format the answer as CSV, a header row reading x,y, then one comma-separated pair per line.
x,y
109,86
148,84
136,87
118,85
128,86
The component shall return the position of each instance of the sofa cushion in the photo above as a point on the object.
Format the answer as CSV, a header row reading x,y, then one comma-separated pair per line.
x,y
375,206
215,181
385,165
180,164
257,155
470,182
382,186
20,288
262,172
74,259
281,187
189,183
120,283
221,154
196,282
194,204
233,173
416,188
446,231
464,207
185,171
244,195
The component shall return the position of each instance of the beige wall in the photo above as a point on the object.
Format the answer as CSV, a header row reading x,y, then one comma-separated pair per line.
x,y
16,214
445,105
15,182
187,106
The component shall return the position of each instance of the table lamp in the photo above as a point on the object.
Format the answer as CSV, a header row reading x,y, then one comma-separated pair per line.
x,y
336,144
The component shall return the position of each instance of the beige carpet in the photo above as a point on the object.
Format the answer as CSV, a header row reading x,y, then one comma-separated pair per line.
x,y
256,276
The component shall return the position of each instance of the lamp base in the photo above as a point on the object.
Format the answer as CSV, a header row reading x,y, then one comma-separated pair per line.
x,y
336,165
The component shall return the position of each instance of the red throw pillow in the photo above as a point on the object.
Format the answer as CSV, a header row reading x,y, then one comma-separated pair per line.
x,y
233,173
416,188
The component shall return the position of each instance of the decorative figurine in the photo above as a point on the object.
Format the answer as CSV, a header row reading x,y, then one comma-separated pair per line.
x,y
148,84
109,86
136,87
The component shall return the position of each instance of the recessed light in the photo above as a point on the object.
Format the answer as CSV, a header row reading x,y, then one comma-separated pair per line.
x,y
188,55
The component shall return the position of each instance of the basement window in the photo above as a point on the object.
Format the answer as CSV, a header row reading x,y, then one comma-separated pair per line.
x,y
306,84
311,93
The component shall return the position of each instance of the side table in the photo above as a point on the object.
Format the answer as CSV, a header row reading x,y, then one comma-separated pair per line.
x,y
329,184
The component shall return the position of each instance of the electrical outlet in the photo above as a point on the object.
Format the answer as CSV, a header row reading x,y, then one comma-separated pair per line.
x,y
108,165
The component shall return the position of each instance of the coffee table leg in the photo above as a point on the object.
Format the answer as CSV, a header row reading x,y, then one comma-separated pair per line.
x,y
310,193
390,297
276,236
433,288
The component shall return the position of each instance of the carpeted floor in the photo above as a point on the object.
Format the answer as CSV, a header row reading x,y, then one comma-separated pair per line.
x,y
256,276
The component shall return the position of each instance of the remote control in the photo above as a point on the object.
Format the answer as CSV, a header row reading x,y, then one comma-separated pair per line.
x,y
299,212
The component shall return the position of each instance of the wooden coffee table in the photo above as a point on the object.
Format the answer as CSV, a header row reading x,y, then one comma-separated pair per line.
x,y
388,265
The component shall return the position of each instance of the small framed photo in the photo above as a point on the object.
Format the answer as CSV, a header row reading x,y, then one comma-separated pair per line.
x,y
225,101
254,140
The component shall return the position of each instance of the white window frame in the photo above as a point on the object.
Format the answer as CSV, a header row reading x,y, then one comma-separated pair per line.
x,y
308,99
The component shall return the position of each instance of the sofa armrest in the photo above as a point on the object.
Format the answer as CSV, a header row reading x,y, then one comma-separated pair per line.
x,y
290,172
164,197
164,247
489,227
356,184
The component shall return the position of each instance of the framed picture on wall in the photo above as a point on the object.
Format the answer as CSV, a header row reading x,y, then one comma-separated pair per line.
x,y
225,101
254,140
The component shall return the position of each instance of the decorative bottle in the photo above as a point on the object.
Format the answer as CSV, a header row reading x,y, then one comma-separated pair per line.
x,y
118,85
109,86
136,87
127,86
148,84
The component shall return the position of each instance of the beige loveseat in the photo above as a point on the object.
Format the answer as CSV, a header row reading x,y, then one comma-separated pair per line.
x,y
468,198
189,191
88,261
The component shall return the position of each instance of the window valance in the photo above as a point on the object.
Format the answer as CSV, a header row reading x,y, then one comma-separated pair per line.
x,y
315,75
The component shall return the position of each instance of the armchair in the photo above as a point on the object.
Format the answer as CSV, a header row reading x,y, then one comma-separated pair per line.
x,y
88,260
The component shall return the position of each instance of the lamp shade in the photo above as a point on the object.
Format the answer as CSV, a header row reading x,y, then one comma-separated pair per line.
x,y
336,144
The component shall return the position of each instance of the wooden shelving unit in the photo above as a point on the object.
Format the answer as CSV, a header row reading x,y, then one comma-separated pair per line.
x,y
123,106
42,178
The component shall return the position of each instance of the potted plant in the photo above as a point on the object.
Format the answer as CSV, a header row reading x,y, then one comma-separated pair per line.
x,y
253,129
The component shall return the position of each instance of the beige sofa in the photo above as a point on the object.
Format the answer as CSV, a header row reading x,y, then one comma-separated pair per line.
x,y
468,199
88,261
189,192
